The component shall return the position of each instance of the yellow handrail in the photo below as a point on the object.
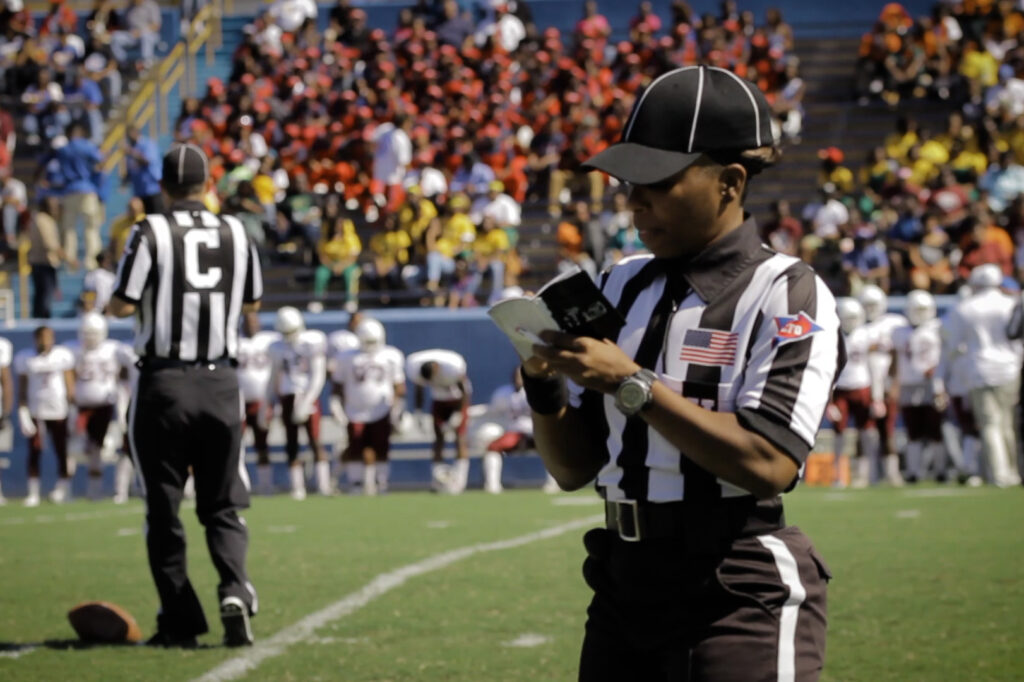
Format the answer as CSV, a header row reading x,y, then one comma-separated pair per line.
x,y
150,101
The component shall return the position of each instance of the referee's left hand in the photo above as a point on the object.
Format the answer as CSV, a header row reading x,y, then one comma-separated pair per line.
x,y
597,364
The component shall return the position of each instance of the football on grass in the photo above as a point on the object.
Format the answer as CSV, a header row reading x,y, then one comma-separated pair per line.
x,y
100,621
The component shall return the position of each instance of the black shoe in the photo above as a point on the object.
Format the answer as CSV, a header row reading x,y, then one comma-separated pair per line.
x,y
169,641
234,615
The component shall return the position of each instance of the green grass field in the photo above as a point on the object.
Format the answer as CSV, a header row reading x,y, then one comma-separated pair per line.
x,y
929,585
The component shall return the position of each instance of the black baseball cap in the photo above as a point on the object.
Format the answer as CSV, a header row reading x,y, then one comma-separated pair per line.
x,y
185,165
682,114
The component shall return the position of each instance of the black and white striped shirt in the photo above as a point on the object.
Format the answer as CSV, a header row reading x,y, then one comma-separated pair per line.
x,y
189,272
740,329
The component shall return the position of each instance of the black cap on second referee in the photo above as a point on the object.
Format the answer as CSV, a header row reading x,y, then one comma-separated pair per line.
x,y
185,165
682,114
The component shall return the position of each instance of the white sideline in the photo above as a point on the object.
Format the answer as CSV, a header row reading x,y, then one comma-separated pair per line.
x,y
132,510
301,631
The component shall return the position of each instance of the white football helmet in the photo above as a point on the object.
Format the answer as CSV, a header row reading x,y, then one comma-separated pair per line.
x,y
986,276
874,301
920,307
93,330
851,314
370,333
289,323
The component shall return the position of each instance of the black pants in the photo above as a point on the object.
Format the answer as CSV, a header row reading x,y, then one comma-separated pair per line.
x,y
754,612
44,284
185,417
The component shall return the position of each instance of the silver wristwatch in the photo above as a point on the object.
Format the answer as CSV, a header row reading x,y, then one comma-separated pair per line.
x,y
635,392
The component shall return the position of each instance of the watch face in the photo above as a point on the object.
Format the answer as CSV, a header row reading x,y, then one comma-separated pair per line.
x,y
632,395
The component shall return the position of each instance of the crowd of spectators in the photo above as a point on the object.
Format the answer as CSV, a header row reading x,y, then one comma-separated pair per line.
x,y
60,74
436,132
926,205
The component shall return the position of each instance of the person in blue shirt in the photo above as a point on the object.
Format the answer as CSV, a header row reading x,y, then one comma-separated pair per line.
x,y
80,165
145,169
86,99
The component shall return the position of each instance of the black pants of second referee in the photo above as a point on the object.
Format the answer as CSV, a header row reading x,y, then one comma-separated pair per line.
x,y
190,416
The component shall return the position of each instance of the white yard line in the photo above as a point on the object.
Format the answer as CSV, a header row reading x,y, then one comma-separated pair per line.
x,y
303,630
18,653
133,510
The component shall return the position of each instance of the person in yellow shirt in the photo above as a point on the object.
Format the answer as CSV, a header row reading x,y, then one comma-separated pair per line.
x,y
416,213
979,66
339,256
490,249
390,250
458,227
968,165
833,171
121,228
899,143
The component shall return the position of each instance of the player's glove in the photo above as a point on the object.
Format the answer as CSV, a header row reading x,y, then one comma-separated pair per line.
x,y
878,409
833,413
25,422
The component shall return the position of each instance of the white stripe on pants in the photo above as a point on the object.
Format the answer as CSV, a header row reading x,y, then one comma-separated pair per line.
x,y
790,575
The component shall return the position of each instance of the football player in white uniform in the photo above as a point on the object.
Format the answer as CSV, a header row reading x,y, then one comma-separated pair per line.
x,y
919,390
963,441
881,325
444,372
46,387
852,396
369,384
254,369
6,391
299,366
978,328
99,364
512,432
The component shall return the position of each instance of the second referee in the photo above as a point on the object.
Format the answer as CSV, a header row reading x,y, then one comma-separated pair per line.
x,y
187,275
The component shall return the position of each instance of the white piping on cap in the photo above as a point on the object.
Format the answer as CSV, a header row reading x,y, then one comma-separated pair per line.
x,y
696,107
750,95
181,165
636,110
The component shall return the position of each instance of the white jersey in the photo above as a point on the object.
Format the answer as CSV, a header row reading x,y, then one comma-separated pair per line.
x,y
368,383
254,366
451,370
300,365
880,331
97,372
857,372
977,326
509,405
6,357
47,393
100,282
918,353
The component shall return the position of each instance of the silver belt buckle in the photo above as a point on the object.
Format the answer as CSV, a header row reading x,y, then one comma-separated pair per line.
x,y
634,513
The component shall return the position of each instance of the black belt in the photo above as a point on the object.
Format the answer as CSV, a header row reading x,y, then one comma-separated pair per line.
x,y
700,524
151,364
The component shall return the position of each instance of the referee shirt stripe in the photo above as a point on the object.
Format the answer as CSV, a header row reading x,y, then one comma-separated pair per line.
x,y
215,347
240,278
188,347
165,274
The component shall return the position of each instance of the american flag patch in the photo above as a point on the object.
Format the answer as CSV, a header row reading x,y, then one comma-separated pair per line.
x,y
709,347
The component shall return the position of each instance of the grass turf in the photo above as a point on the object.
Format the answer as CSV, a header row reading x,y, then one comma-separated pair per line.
x,y
928,586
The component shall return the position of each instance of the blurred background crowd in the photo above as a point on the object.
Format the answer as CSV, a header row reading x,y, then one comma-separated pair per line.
x,y
393,165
